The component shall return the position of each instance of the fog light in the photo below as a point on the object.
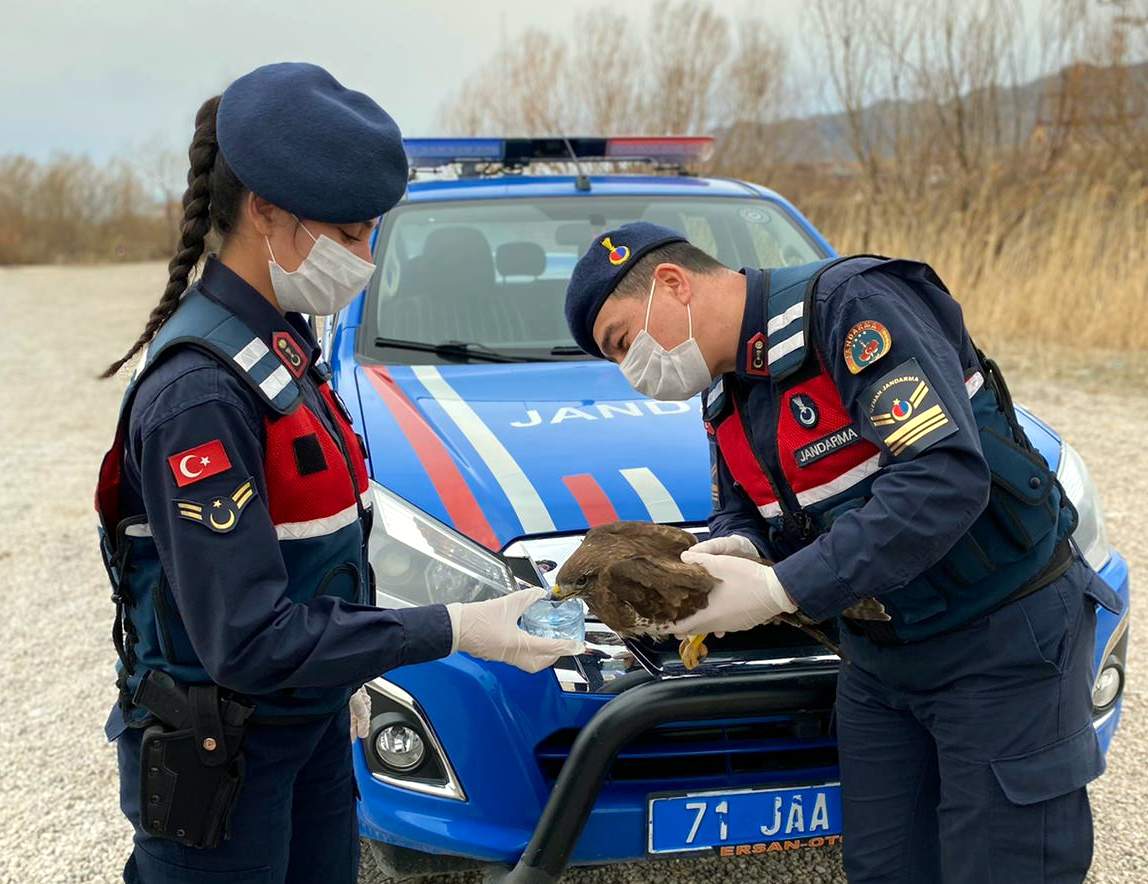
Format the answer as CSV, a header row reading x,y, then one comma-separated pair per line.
x,y
1107,687
400,747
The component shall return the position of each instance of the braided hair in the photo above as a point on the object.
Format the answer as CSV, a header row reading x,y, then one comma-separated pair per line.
x,y
211,200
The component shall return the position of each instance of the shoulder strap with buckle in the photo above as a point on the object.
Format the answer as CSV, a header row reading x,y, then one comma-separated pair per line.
x,y
789,313
209,326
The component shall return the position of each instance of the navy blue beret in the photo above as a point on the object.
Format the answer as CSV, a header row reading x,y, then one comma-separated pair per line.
x,y
598,272
295,136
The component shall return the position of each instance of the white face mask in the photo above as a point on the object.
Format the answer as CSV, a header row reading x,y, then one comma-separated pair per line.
x,y
666,374
326,280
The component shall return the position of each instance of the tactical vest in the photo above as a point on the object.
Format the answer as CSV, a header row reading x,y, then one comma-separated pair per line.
x,y
322,526
1018,543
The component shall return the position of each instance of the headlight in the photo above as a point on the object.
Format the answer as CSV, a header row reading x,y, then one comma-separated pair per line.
x,y
420,561
1090,535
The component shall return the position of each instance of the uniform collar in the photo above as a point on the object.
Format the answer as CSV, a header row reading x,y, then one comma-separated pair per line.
x,y
223,285
753,343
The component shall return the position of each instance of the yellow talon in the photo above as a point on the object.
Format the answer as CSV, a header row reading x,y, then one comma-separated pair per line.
x,y
692,650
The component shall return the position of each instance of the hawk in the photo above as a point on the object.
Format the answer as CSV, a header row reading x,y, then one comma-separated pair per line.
x,y
632,578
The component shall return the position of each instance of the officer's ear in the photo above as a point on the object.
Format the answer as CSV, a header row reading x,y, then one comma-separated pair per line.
x,y
674,279
262,215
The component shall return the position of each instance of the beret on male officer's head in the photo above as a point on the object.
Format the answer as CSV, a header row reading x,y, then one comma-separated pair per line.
x,y
598,272
297,137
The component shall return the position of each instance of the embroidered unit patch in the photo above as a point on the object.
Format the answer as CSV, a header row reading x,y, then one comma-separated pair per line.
x,y
865,343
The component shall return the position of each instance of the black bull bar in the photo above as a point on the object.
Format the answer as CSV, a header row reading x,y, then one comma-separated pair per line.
x,y
631,714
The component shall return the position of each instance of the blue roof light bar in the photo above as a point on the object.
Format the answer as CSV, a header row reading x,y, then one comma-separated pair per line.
x,y
430,153
671,150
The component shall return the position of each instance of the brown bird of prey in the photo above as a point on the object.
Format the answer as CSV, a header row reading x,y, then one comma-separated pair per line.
x,y
631,576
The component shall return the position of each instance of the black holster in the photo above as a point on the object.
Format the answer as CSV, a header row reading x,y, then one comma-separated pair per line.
x,y
191,764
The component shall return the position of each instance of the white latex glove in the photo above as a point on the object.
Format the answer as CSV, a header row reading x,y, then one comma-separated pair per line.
x,y
730,545
747,593
489,630
360,714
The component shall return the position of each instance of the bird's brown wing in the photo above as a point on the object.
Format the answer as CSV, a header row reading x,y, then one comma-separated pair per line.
x,y
648,537
659,589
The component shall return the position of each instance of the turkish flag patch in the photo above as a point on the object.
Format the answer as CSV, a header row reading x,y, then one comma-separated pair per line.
x,y
208,459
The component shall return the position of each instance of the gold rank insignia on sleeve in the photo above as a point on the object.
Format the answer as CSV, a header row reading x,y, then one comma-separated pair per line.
x,y
906,412
220,514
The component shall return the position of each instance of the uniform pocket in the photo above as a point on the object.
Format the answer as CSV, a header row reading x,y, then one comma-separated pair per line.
x,y
1021,510
1051,771
1050,616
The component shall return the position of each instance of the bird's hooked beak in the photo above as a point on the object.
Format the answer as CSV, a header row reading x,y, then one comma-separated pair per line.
x,y
558,593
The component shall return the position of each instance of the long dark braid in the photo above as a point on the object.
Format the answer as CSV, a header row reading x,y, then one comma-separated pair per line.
x,y
211,198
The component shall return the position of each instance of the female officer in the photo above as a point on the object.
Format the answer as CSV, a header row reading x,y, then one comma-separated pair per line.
x,y
233,512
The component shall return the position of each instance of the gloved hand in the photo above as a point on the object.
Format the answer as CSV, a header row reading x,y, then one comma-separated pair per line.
x,y
747,593
360,714
730,545
489,630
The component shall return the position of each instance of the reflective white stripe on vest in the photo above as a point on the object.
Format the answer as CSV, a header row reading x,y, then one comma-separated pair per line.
x,y
519,490
842,483
787,346
655,496
290,530
777,323
251,353
274,383
324,526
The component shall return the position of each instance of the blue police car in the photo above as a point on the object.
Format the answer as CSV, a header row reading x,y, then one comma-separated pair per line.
x,y
493,445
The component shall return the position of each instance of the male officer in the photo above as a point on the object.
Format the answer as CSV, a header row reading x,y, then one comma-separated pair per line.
x,y
861,442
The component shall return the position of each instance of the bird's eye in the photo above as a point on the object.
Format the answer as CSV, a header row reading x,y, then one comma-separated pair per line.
x,y
582,581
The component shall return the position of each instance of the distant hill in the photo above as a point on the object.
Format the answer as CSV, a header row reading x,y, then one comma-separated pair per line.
x,y
824,138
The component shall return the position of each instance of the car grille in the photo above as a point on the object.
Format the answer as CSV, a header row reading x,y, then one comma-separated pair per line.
x,y
722,750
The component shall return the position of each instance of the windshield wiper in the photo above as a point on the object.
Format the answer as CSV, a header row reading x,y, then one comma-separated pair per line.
x,y
456,350
567,351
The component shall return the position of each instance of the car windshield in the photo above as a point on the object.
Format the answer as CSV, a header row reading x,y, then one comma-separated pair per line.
x,y
485,280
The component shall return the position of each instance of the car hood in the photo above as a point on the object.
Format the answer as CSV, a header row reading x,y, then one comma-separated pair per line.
x,y
507,451
501,452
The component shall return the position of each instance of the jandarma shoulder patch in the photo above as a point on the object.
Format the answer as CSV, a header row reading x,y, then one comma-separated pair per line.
x,y
865,343
906,411
220,514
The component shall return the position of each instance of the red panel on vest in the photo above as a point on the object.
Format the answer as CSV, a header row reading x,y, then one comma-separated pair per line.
x,y
740,460
108,486
292,497
350,438
831,418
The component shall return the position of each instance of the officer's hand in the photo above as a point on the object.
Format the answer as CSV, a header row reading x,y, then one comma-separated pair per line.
x,y
730,545
489,630
360,714
747,593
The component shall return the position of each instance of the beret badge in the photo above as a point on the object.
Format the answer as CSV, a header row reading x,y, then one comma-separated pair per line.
x,y
618,254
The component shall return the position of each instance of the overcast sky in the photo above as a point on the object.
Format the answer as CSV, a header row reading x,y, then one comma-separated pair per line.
x,y
123,76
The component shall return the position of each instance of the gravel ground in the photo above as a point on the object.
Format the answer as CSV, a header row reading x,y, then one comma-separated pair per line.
x,y
60,811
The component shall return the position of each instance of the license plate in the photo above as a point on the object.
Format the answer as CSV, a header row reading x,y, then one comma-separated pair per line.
x,y
745,821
